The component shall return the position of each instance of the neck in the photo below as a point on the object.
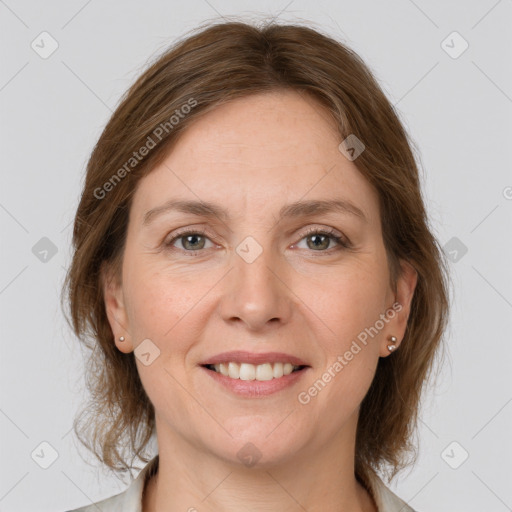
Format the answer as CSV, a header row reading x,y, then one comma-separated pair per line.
x,y
312,479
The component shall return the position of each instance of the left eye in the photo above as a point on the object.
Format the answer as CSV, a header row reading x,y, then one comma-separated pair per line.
x,y
319,241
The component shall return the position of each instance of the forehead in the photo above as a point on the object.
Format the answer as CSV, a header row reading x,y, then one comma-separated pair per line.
x,y
267,148
285,124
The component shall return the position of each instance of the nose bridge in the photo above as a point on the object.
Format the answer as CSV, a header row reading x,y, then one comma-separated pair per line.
x,y
256,294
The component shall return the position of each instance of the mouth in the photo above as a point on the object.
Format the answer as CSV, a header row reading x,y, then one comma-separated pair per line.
x,y
255,375
260,372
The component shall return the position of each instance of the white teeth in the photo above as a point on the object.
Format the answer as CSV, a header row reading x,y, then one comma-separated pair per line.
x,y
287,368
233,371
261,372
278,370
247,371
264,372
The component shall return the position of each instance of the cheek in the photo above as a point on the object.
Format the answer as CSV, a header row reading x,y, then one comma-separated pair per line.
x,y
348,300
161,308
342,395
157,300
352,305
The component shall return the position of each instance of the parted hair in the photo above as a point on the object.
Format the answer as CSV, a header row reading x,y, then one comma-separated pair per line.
x,y
214,64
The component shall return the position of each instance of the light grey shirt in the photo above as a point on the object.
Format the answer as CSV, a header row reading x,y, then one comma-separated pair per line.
x,y
130,500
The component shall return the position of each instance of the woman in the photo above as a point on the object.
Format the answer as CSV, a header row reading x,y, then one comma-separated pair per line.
x,y
256,278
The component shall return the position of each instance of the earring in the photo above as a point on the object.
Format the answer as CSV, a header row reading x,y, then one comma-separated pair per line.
x,y
121,338
392,346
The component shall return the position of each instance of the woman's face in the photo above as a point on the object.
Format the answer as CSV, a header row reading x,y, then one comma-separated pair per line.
x,y
263,274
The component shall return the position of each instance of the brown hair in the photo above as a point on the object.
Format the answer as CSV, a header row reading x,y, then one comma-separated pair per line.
x,y
217,64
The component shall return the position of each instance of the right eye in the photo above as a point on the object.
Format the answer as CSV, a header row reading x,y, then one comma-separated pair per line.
x,y
191,241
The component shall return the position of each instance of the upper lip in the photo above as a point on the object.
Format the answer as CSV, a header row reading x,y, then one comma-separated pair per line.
x,y
240,356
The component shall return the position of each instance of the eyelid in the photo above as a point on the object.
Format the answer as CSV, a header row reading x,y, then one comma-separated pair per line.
x,y
341,240
172,237
322,229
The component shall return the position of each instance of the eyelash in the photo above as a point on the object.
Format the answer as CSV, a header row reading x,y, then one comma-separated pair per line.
x,y
343,243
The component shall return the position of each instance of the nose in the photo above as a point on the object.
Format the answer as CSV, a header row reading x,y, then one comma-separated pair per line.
x,y
256,294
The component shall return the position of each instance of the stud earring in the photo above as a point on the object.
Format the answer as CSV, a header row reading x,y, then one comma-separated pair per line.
x,y
121,338
392,346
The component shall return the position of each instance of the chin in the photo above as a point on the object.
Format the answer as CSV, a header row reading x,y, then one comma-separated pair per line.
x,y
262,447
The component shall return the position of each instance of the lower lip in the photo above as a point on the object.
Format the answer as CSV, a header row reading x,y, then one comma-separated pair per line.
x,y
256,388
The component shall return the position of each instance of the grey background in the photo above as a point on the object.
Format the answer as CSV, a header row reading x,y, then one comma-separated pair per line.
x,y
458,110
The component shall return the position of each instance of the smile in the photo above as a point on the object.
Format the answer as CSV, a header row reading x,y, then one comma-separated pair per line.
x,y
248,371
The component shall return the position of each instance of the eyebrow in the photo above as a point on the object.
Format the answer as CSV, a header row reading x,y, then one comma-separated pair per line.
x,y
292,210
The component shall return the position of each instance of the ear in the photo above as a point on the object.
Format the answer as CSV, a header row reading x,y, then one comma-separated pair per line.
x,y
115,307
405,286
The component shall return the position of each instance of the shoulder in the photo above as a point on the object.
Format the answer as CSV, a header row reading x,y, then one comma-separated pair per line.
x,y
386,500
115,503
129,500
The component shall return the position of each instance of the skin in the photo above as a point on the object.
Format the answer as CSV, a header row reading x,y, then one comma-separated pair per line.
x,y
252,156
